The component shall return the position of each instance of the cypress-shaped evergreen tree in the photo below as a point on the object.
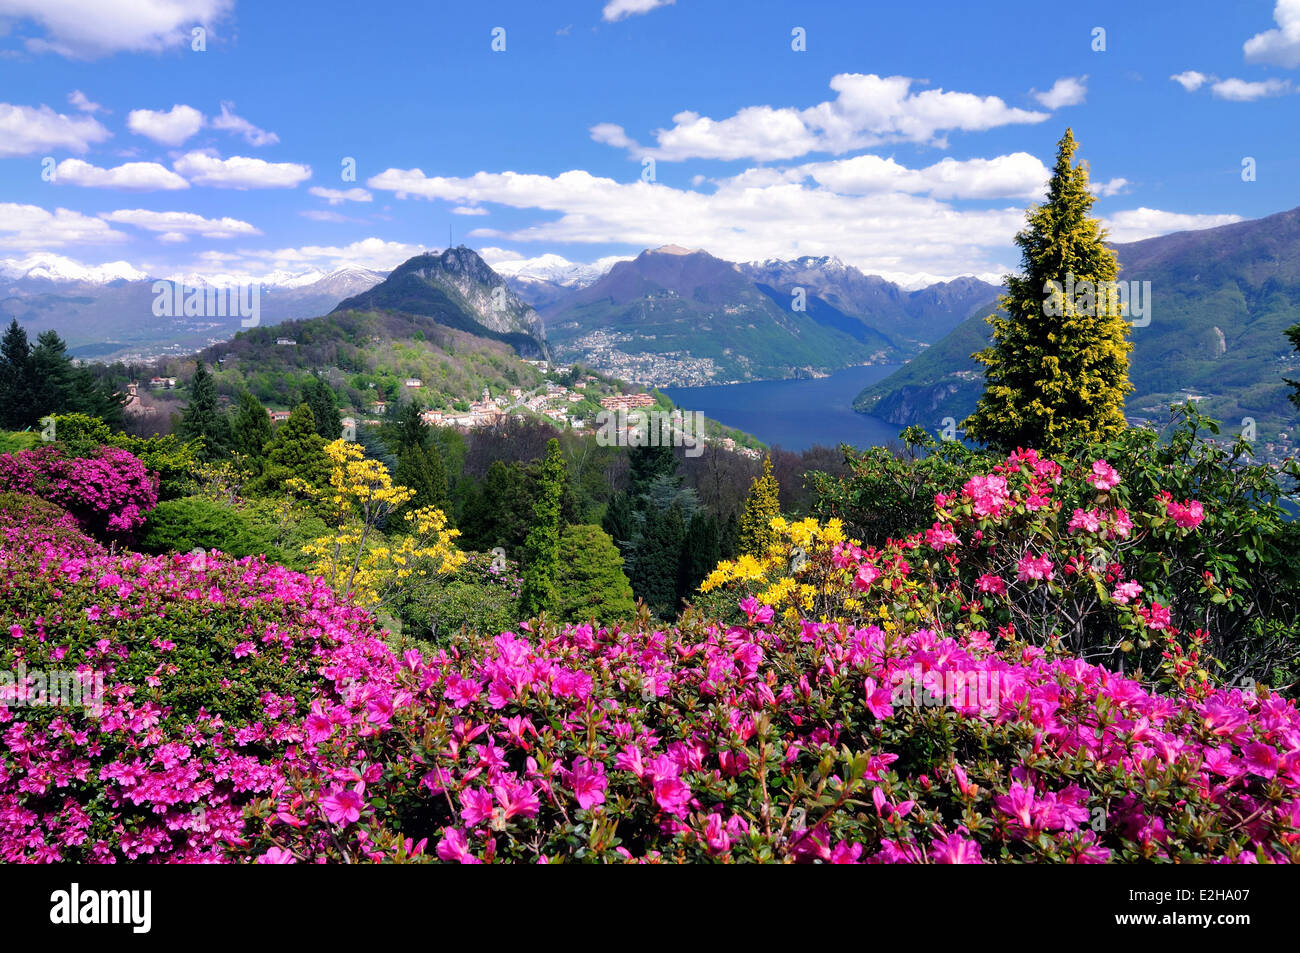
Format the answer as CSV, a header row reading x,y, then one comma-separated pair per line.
x,y
1057,369
700,553
319,396
250,430
761,507
202,416
542,546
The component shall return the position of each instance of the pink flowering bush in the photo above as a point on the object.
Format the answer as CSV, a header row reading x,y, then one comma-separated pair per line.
x,y
208,666
250,717
110,492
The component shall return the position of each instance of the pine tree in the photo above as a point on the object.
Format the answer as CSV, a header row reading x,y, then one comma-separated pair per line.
x,y
54,376
650,463
296,450
250,430
17,380
1057,369
319,396
202,416
590,583
542,546
761,507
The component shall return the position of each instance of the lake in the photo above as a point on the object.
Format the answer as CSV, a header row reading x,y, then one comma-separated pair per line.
x,y
796,414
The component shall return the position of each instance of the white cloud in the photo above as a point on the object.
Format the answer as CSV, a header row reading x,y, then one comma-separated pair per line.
x,y
1066,91
27,130
85,29
868,110
619,9
744,219
1245,91
338,196
1113,187
1139,223
320,215
172,224
78,100
30,227
169,128
468,210
374,253
240,172
229,122
1018,175
1191,80
131,176
1280,47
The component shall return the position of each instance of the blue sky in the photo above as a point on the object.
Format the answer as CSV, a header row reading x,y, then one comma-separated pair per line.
x,y
906,139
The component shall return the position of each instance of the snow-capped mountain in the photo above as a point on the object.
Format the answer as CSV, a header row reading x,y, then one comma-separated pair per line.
x,y
106,310
56,268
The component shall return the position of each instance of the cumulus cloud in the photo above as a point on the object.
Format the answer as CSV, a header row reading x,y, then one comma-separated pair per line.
x,y
78,100
30,227
1139,223
468,210
1066,91
1191,80
339,196
27,130
130,176
173,224
1113,187
868,110
1280,47
1018,175
1245,91
621,9
229,122
84,29
240,172
169,128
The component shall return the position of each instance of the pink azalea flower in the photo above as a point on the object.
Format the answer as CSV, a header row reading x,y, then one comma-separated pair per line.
x,y
589,783
342,807
454,847
1104,476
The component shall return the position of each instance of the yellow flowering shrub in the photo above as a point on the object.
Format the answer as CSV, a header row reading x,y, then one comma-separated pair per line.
x,y
357,559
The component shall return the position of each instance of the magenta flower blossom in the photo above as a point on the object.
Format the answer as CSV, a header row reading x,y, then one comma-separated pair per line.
x,y
589,783
342,807
1104,476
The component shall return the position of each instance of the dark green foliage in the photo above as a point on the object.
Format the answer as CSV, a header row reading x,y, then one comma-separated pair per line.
x,y
701,552
590,583
202,417
193,522
250,430
319,396
296,450
658,559
17,379
498,512
542,545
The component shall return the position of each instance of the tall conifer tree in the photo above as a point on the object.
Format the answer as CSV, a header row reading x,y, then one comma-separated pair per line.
x,y
1057,369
